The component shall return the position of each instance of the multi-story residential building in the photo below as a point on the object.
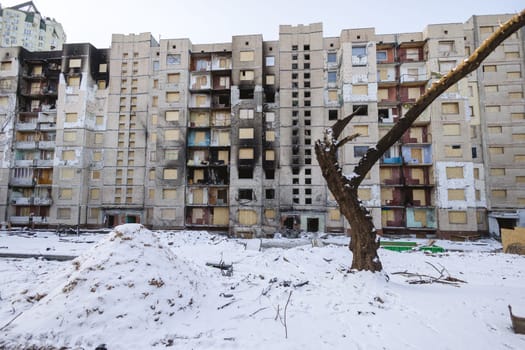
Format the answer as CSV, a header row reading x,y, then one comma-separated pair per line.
x,y
23,25
221,136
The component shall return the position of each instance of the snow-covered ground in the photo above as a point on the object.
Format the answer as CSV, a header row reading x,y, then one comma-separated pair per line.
x,y
136,289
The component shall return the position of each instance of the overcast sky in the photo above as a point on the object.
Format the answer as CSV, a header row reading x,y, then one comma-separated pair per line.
x,y
206,21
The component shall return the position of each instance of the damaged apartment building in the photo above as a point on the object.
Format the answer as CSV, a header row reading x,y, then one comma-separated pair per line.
x,y
221,136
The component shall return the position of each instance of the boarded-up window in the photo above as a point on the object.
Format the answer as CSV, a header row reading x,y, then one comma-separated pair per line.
x,y
420,215
246,56
456,194
101,84
270,79
519,158
4,101
247,75
75,63
94,213
99,120
499,193
516,95
497,172
247,217
518,137
361,129
103,68
221,216
168,213
270,154
412,54
246,113
172,96
270,135
451,129
521,200
450,108
155,101
457,217
419,196
476,173
71,117
513,75
246,153
269,213
97,156
246,133
171,154
364,193
491,88
360,90
66,173
455,172
520,179
73,81
486,29
495,129
517,116
512,55
414,93
170,174
99,138
169,193
64,213
446,66
334,214
94,193
66,193
382,94
68,155
95,175
453,151
332,95
5,66
200,100
496,150
492,109
490,68
172,135
173,78
70,136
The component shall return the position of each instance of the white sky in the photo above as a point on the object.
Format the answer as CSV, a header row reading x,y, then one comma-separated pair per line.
x,y
206,21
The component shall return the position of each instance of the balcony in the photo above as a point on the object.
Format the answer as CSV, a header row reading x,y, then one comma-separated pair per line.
x,y
21,181
25,163
42,201
47,117
24,220
48,127
31,126
25,145
359,60
44,162
46,144
22,201
413,79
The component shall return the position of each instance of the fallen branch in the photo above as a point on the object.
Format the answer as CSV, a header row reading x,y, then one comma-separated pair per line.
x,y
220,265
417,278
8,323
283,319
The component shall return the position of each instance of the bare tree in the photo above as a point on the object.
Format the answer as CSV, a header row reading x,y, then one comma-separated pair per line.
x,y
364,242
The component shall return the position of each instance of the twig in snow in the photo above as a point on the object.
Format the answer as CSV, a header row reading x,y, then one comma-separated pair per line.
x,y
257,311
227,304
8,323
283,318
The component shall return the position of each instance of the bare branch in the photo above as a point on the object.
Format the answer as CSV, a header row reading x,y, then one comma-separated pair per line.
x,y
340,125
437,88
347,139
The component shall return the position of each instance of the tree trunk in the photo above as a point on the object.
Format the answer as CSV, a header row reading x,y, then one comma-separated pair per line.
x,y
363,243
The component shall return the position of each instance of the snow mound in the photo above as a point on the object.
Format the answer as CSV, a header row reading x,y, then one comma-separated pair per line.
x,y
129,284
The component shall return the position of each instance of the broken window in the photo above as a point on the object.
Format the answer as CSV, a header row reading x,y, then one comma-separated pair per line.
x,y
245,173
245,194
360,109
172,59
332,77
333,114
360,151
270,193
